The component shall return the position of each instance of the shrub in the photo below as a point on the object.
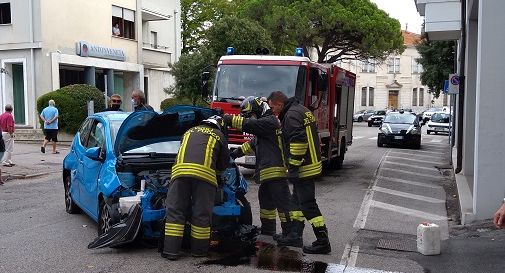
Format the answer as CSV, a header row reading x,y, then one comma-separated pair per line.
x,y
71,102
180,101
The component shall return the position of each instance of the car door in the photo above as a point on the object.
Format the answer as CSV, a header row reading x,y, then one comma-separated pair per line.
x,y
92,167
78,149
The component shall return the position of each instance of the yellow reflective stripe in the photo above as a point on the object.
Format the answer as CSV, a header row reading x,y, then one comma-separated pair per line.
x,y
268,214
282,217
172,229
317,221
182,150
174,226
200,229
298,148
247,149
296,215
200,232
312,147
200,236
295,162
193,169
311,169
237,122
174,234
209,151
281,147
272,172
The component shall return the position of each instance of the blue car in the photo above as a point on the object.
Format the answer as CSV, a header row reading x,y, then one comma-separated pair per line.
x,y
118,171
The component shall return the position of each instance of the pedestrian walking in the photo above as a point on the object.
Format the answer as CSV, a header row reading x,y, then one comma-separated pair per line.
x,y
2,150
202,157
50,118
274,197
114,103
139,101
303,154
7,126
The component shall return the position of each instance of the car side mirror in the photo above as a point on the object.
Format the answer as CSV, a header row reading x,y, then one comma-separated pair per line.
x,y
205,83
93,153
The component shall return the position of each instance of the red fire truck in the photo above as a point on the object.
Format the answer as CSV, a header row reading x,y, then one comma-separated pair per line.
x,y
326,89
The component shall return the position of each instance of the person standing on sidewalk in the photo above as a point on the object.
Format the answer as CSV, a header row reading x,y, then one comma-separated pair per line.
x,y
7,126
114,103
303,155
50,117
139,101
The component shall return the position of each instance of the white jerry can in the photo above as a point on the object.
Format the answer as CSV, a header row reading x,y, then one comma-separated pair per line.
x,y
428,239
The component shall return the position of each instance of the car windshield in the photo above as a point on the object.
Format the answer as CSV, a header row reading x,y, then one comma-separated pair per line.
x,y
360,112
168,147
381,113
441,117
400,118
234,81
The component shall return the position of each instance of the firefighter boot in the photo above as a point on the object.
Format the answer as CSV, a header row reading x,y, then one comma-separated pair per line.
x,y
294,234
321,245
298,227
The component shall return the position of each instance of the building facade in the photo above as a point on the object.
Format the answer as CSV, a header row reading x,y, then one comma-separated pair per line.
x,y
478,159
395,83
115,45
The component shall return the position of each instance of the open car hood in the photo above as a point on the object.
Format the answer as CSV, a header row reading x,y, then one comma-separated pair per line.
x,y
147,127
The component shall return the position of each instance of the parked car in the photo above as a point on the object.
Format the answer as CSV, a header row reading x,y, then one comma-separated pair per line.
x,y
376,118
400,128
427,114
362,115
439,123
118,170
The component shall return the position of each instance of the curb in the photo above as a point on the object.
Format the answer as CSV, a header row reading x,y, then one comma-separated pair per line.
x,y
26,176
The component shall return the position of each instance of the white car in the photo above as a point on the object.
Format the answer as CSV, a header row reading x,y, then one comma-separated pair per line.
x,y
427,114
439,122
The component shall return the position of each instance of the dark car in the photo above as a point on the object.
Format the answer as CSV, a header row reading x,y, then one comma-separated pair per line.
x,y
376,118
400,128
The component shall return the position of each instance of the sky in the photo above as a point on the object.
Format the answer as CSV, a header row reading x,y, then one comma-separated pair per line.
x,y
403,10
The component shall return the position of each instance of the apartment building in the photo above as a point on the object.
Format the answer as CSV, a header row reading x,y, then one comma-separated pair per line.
x,y
115,45
395,83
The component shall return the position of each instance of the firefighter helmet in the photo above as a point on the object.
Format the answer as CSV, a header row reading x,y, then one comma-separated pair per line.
x,y
214,121
252,105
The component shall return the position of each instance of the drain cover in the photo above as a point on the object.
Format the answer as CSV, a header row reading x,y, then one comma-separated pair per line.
x,y
400,245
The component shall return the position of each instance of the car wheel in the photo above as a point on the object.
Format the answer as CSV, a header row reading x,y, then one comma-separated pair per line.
x,y
338,161
379,142
369,124
360,119
109,216
417,145
428,132
70,206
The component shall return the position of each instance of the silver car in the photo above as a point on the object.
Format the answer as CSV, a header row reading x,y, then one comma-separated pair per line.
x,y
362,115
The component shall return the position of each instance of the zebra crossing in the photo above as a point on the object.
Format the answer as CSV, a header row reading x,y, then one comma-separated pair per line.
x,y
425,139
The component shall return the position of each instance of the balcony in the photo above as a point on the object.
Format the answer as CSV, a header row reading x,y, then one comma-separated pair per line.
x,y
155,56
442,18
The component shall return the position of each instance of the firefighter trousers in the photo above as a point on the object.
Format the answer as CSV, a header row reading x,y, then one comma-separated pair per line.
x,y
274,197
188,196
304,203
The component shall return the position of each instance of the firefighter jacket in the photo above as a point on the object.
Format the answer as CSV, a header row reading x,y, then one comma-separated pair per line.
x,y
301,139
267,144
203,154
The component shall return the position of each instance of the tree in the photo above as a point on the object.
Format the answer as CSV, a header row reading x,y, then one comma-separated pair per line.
x,y
437,59
336,29
197,16
187,73
244,35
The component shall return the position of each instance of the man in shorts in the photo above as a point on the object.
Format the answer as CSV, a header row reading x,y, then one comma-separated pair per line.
x,y
50,118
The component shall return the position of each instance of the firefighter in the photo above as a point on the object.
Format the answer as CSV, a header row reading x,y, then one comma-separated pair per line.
x,y
303,154
273,193
202,156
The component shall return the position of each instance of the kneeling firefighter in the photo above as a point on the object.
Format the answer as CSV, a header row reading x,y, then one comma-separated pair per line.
x,y
303,154
202,156
256,118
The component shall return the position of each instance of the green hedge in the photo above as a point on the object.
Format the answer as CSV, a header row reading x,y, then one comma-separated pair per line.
x,y
71,102
180,101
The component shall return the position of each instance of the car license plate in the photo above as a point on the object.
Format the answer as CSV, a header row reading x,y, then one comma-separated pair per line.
x,y
398,137
250,160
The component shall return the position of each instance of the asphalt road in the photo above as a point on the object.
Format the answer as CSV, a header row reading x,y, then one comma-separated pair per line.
x,y
37,235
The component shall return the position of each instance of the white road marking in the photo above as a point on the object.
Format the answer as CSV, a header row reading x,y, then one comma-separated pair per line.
x,y
349,256
431,152
357,137
411,154
407,211
407,172
373,138
414,183
416,160
408,195
363,210
410,165
435,140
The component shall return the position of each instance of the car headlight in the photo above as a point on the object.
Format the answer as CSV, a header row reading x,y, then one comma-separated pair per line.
x,y
370,118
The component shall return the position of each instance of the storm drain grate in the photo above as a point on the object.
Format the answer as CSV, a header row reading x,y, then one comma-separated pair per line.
x,y
400,245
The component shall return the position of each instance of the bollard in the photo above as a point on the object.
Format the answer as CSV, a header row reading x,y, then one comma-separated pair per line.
x,y
428,239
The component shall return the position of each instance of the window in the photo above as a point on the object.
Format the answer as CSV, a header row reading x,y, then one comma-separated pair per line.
x,y
97,136
154,39
363,96
368,66
370,96
421,96
84,131
394,65
5,13
123,22
414,97
416,67
445,99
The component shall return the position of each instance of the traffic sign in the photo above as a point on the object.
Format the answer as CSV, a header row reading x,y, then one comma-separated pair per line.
x,y
453,84
446,86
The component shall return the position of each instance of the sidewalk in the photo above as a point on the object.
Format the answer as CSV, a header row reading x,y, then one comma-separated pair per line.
x,y
31,163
